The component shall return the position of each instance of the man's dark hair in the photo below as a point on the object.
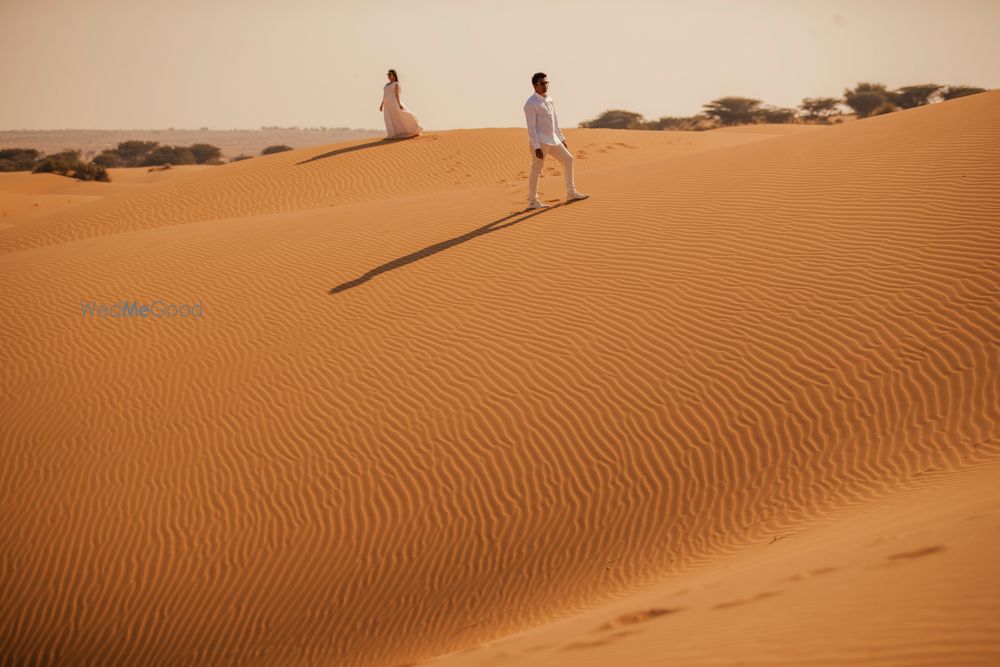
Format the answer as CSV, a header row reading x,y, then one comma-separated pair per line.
x,y
536,77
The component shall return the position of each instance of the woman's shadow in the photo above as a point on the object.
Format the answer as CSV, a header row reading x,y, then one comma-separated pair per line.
x,y
351,149
496,225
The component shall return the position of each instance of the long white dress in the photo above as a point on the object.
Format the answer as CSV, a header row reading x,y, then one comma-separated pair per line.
x,y
399,121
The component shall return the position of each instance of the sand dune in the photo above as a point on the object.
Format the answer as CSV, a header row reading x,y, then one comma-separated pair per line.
x,y
26,196
899,582
415,418
358,172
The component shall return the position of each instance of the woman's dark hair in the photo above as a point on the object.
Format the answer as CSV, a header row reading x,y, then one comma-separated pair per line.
x,y
536,77
393,73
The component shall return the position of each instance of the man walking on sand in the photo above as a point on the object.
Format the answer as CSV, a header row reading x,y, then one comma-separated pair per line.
x,y
546,139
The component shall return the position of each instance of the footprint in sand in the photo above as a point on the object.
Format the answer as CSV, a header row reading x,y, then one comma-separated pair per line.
x,y
919,553
637,617
737,603
812,573
598,642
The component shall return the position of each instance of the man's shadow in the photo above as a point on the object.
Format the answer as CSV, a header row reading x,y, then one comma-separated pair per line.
x,y
496,225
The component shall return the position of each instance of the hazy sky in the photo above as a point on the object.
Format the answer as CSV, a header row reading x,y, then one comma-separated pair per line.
x,y
128,64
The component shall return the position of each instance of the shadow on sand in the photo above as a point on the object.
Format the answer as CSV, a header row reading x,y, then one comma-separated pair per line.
x,y
496,225
351,149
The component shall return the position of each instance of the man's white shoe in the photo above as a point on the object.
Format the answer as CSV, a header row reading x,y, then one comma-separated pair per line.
x,y
538,204
576,196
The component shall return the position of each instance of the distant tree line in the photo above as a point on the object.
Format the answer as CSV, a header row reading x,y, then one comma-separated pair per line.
x,y
130,153
865,99
135,153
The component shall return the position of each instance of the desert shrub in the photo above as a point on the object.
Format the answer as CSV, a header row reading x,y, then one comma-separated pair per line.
x,y
909,97
134,153
616,119
281,148
775,115
205,153
22,159
952,92
91,172
732,110
819,108
887,107
109,159
58,163
865,98
172,154
240,157
46,166
67,163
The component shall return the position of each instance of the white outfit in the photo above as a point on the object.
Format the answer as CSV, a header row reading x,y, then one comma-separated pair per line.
x,y
543,126
399,121
544,133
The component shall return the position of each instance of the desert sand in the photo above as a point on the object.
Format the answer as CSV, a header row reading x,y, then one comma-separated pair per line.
x,y
25,196
739,407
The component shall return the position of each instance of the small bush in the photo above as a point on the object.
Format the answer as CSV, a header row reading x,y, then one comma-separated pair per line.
x,y
865,98
23,159
281,148
91,172
240,157
952,92
109,159
819,108
775,115
205,153
171,154
616,119
58,163
909,97
732,110
68,163
885,108
134,152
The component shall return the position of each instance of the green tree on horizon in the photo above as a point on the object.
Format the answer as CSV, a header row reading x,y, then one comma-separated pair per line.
x,y
18,159
733,110
865,98
134,152
108,158
68,163
168,155
910,97
206,153
616,119
775,115
954,92
819,108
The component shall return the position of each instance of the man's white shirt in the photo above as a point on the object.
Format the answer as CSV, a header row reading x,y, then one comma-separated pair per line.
x,y
543,127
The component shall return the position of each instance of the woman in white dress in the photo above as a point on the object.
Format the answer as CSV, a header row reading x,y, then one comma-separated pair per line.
x,y
400,123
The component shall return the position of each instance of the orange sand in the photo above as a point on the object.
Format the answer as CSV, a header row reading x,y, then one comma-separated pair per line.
x,y
741,405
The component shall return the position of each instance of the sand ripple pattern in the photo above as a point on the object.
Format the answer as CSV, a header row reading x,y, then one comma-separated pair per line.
x,y
500,416
327,176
